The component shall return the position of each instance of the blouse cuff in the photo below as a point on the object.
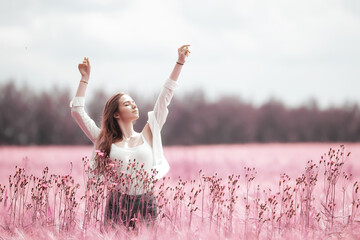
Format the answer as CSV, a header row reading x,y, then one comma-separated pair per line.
x,y
77,102
171,84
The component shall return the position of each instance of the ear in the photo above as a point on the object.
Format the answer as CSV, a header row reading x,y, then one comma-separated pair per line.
x,y
116,115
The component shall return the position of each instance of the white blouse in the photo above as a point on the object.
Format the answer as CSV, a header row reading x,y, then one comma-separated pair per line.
x,y
141,153
156,120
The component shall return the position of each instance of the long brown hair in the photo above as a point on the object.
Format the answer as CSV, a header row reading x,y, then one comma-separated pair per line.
x,y
110,131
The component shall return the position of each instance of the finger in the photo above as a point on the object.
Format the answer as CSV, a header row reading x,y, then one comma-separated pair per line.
x,y
184,46
185,50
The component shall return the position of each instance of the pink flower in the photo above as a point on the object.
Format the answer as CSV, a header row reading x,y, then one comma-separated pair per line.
x,y
100,153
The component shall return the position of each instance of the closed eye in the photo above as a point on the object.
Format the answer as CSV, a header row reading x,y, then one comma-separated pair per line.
x,y
127,103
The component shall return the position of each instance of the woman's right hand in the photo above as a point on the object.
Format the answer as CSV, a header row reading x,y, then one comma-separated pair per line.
x,y
84,68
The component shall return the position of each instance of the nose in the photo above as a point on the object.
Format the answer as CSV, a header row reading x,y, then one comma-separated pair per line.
x,y
134,105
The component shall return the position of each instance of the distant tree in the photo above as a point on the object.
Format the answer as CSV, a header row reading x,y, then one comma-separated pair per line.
x,y
14,113
28,117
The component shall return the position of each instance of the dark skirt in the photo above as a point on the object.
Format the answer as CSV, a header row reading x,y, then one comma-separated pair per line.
x,y
130,209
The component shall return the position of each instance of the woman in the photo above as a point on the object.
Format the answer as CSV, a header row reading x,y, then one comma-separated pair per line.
x,y
118,141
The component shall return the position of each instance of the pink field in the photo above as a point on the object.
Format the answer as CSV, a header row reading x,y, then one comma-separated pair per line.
x,y
269,161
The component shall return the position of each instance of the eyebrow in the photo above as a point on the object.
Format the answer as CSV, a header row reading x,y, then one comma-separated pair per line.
x,y
128,101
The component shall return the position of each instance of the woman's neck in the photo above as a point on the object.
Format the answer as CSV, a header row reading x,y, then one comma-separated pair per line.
x,y
127,129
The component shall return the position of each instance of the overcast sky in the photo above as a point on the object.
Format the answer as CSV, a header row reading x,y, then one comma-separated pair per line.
x,y
290,50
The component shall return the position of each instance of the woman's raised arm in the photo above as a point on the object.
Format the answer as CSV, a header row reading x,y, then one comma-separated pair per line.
x,y
160,112
84,69
166,94
183,52
77,104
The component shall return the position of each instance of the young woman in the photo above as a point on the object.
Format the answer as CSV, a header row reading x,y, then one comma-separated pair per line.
x,y
118,141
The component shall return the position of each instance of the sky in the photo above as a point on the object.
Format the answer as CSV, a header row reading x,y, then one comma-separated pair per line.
x,y
288,50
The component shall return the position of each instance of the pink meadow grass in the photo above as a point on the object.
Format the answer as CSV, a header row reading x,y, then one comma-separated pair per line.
x,y
321,201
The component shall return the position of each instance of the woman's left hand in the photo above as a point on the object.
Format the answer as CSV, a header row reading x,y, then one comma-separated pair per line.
x,y
183,52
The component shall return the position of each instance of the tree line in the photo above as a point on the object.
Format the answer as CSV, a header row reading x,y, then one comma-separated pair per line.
x,y
32,118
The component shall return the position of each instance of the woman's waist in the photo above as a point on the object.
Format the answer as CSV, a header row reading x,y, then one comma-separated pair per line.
x,y
118,194
132,188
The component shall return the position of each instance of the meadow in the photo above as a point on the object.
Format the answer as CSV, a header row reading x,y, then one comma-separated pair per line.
x,y
247,191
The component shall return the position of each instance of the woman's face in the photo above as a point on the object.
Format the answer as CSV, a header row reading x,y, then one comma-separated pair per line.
x,y
127,109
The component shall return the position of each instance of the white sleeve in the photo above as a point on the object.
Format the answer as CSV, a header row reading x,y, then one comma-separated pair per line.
x,y
163,101
83,120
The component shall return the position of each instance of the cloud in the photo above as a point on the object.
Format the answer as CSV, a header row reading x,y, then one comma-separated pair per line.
x,y
253,48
